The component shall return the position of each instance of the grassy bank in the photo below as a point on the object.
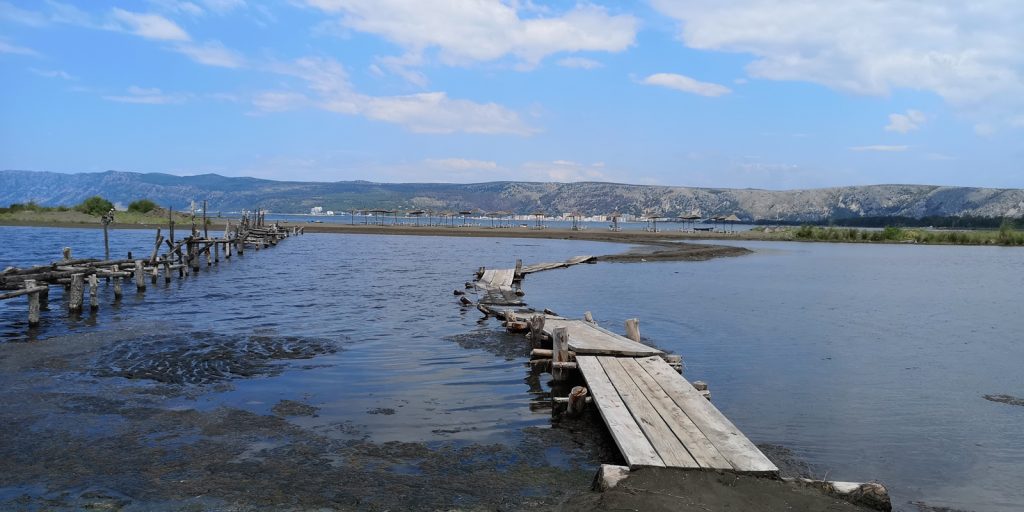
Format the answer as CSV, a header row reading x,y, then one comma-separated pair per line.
x,y
1005,235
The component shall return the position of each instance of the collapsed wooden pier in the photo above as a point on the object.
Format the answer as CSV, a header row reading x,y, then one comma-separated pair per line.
x,y
656,417
182,257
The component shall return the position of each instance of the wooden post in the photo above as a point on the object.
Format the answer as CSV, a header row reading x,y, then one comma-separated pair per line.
x,y
206,232
519,268
156,247
67,253
140,276
44,298
33,304
577,400
536,330
633,329
76,292
216,252
170,222
106,238
208,259
167,268
117,284
559,353
155,274
589,318
94,288
193,255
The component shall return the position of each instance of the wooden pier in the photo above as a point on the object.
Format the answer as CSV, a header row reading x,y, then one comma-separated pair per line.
x,y
181,257
656,417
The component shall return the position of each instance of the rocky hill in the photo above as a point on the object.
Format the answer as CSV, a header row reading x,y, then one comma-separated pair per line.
x,y
232,194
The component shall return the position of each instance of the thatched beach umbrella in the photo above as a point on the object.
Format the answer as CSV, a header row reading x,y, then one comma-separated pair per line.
x,y
732,219
539,217
417,214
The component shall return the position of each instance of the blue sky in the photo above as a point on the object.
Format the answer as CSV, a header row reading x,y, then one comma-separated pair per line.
x,y
745,93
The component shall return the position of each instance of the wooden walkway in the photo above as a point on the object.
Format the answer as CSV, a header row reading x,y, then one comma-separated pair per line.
x,y
588,338
656,417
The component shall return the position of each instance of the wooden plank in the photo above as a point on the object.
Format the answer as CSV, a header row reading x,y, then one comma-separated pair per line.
x,y
661,437
586,338
700,447
632,442
730,442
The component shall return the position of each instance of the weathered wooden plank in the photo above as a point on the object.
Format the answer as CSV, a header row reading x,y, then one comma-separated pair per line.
x,y
587,338
632,443
664,441
700,447
730,442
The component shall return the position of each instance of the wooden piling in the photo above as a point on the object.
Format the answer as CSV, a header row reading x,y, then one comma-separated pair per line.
x,y
94,287
633,329
216,252
154,274
589,318
33,304
117,284
140,276
559,352
577,400
167,268
67,253
75,292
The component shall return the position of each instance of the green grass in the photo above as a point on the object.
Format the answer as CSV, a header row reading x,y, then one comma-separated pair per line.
x,y
1006,235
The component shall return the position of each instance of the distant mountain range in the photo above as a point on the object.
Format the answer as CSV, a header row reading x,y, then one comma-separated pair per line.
x,y
232,194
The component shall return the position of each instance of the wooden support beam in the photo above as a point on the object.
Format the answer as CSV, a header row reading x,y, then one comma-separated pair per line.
x,y
633,329
33,304
94,287
117,284
75,292
140,276
560,353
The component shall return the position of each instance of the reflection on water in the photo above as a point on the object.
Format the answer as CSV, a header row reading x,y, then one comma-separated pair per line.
x,y
865,361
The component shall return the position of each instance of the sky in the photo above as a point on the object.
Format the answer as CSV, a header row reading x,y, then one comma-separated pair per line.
x,y
768,94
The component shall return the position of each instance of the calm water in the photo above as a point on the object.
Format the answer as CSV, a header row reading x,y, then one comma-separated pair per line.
x,y
868,362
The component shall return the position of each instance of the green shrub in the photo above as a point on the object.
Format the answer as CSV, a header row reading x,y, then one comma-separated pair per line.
x,y
892,233
142,206
805,231
95,205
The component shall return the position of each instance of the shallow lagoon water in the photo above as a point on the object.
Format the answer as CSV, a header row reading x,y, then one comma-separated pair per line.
x,y
867,361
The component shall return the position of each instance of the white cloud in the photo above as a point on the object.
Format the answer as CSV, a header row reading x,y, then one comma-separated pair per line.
x,y
984,129
14,49
904,123
53,73
564,171
484,30
966,52
212,53
435,112
579,63
430,112
147,96
461,164
224,6
880,148
178,7
149,26
278,101
686,84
